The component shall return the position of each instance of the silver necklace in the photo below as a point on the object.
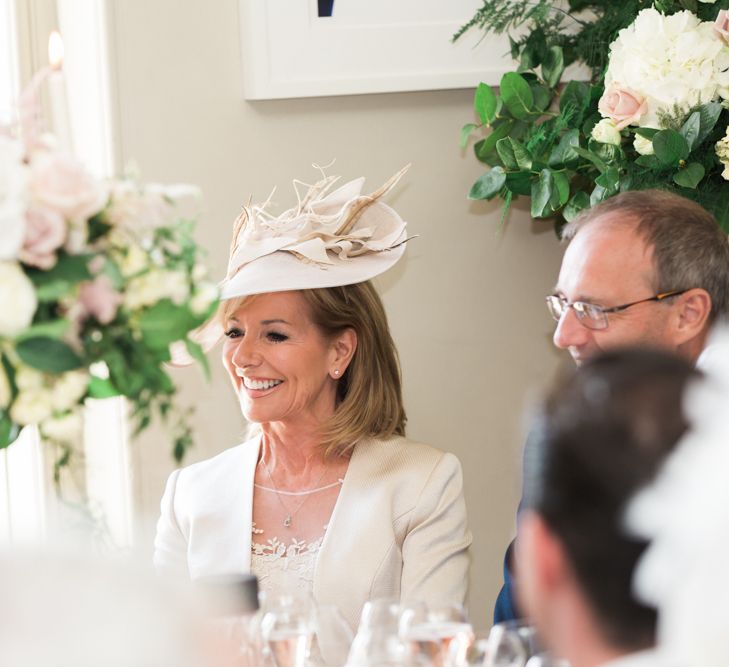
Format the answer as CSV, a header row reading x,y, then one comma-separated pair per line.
x,y
289,514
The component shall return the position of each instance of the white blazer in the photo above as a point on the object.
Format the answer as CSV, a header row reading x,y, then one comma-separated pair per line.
x,y
398,528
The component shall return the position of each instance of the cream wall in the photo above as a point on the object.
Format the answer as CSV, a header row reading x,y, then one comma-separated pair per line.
x,y
466,307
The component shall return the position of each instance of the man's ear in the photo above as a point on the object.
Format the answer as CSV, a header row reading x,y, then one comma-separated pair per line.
x,y
541,563
692,314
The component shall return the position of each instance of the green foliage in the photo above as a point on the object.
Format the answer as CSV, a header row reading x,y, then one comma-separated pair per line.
x,y
536,129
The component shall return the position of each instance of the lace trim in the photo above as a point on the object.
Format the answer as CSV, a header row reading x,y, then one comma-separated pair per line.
x,y
278,549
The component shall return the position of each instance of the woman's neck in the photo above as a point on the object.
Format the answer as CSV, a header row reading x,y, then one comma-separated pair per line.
x,y
292,453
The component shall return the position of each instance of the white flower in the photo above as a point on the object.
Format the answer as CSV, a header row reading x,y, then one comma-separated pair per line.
x,y
129,255
5,393
643,145
68,389
65,428
13,197
31,406
61,183
722,152
154,285
205,294
27,378
17,299
606,133
708,2
669,61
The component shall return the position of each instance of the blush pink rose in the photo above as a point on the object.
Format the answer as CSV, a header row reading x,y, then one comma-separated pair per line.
x,y
721,26
61,183
45,232
622,106
99,299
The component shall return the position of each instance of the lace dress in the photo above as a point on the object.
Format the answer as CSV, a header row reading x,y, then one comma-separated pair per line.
x,y
283,568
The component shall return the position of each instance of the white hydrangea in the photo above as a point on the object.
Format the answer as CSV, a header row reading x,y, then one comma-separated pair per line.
x,y
67,428
643,145
722,152
31,406
28,378
154,285
13,197
68,389
18,300
606,132
670,61
203,297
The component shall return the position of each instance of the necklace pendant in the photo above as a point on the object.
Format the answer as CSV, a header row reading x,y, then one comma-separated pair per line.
x,y
287,520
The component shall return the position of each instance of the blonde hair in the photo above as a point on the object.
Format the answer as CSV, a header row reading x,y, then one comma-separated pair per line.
x,y
369,393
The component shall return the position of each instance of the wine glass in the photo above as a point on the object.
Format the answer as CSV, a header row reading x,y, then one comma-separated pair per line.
x,y
333,637
475,654
511,644
287,629
378,641
440,634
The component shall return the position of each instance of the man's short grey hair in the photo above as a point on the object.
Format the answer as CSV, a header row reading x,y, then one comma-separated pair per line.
x,y
689,248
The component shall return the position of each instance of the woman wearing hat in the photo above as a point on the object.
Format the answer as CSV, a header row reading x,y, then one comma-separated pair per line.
x,y
328,496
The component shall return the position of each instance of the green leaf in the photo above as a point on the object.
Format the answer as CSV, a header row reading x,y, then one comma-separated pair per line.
x,y
591,157
647,132
599,193
487,146
690,129
670,147
48,355
609,180
690,176
564,152
101,388
542,96
542,194
560,190
691,5
575,97
53,329
466,133
649,161
580,201
553,66
165,323
8,430
517,95
69,269
484,103
519,182
505,150
515,152
709,114
488,185
197,353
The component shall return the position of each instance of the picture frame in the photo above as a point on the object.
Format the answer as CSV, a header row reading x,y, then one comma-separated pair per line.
x,y
292,48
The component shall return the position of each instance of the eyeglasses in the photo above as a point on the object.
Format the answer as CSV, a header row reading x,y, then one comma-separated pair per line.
x,y
593,316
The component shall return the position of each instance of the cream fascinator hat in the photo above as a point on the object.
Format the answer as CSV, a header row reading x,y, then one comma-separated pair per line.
x,y
330,238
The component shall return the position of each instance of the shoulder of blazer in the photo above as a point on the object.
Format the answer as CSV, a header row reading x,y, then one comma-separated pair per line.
x,y
218,473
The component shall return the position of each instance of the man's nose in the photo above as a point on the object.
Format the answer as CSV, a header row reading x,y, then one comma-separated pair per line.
x,y
570,332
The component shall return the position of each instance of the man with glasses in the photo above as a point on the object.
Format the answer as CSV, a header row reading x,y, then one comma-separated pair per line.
x,y
645,268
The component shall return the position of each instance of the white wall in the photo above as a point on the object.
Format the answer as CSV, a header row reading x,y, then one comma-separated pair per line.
x,y
466,306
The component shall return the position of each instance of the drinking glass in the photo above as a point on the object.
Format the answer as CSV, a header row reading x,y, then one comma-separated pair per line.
x,y
287,629
546,660
511,644
440,634
378,641
333,637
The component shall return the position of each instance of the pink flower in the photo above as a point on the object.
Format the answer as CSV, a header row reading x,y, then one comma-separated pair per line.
x,y
99,299
721,26
622,106
45,231
61,183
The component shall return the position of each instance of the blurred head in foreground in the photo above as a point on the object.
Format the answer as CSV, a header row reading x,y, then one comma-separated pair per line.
x,y
603,434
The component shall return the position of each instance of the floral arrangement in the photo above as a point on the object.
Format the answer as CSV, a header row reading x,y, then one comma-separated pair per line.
x,y
650,112
97,280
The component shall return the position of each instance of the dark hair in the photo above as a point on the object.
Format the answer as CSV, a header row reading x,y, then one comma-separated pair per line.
x,y
689,248
603,434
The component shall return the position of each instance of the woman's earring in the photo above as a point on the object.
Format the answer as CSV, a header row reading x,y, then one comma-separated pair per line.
x,y
336,372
